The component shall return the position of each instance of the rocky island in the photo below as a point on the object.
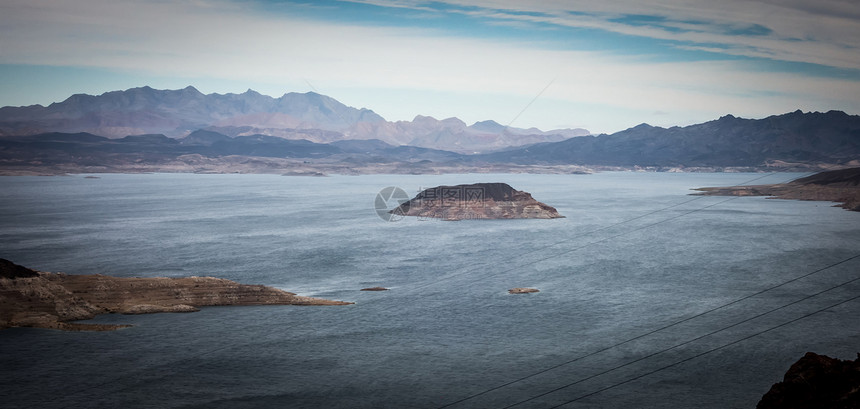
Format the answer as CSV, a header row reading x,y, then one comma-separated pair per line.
x,y
476,201
30,298
842,186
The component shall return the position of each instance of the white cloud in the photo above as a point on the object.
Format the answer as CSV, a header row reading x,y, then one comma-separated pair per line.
x,y
826,32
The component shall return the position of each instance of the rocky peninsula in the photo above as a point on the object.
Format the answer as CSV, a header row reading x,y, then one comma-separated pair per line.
x,y
30,298
841,186
476,201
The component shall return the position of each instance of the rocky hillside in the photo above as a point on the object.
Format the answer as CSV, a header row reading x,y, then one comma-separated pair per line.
x,y
835,178
51,300
57,153
797,137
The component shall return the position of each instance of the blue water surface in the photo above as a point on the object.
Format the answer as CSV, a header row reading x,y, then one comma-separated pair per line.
x,y
638,304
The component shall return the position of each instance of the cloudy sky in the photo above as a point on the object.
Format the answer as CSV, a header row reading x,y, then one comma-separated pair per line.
x,y
602,65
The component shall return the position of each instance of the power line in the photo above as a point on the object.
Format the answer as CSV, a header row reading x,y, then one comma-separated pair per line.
x,y
530,103
616,345
699,337
658,329
708,351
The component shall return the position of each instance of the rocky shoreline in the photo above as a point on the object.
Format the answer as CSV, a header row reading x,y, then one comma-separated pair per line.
x,y
196,163
30,298
841,186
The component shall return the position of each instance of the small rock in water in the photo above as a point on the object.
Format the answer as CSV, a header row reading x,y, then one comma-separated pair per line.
x,y
374,289
520,290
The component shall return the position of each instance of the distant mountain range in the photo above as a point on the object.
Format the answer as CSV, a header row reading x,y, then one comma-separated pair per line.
x,y
797,137
309,116
143,129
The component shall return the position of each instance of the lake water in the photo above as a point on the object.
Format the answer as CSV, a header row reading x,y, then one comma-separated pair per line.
x,y
635,254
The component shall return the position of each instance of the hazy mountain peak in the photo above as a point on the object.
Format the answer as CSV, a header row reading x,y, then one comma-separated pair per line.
x,y
488,126
488,122
641,126
191,90
454,121
76,98
308,96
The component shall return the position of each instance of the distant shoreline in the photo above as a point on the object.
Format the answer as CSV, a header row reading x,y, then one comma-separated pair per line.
x,y
289,167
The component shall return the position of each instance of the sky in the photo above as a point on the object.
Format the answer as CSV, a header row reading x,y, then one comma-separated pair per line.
x,y
600,65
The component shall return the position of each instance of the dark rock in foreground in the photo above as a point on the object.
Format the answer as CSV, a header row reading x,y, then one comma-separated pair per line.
x,y
842,186
816,382
52,300
476,201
